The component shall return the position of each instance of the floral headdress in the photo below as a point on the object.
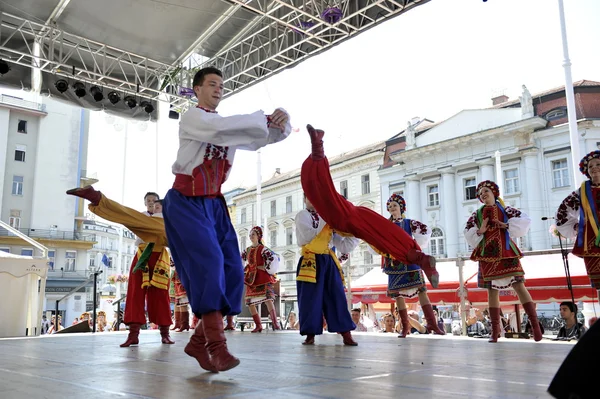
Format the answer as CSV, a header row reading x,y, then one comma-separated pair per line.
x,y
397,198
585,161
492,186
259,232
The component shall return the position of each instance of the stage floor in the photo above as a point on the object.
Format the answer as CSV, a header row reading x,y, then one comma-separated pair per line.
x,y
276,365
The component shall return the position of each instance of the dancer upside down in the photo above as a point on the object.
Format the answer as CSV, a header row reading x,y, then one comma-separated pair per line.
x,y
388,238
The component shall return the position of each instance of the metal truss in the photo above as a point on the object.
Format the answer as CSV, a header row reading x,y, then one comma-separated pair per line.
x,y
283,33
77,58
289,31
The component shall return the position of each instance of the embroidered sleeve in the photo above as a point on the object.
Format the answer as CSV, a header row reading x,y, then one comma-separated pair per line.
x,y
237,130
421,233
271,260
567,215
518,222
307,227
471,236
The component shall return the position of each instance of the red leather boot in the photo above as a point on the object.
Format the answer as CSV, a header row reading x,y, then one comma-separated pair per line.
x,y
230,326
258,327
405,323
133,337
164,334
216,342
495,318
88,193
196,348
431,320
316,139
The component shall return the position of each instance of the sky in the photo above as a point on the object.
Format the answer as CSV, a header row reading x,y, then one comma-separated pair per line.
x,y
432,62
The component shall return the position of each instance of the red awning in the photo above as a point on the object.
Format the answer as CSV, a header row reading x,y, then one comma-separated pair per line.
x,y
544,274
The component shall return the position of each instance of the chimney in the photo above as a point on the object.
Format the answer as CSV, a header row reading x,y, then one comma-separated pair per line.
x,y
499,99
415,120
277,171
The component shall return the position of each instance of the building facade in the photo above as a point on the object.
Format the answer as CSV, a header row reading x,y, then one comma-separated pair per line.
x,y
354,174
43,153
523,145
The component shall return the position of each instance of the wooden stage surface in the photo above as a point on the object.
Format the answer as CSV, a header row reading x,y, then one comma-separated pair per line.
x,y
276,365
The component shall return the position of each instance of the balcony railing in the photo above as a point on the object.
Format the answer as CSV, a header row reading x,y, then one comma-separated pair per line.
x,y
52,234
19,102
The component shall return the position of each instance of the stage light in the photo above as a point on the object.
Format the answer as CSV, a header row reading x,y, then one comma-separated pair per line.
x,y
4,67
61,85
79,89
114,97
130,101
96,93
173,115
147,106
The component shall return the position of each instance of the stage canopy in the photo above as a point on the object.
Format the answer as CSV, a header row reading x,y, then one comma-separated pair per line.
x,y
544,274
142,48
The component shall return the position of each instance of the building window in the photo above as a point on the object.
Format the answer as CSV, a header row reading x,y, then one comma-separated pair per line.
x,y
273,238
288,204
17,186
436,244
15,219
7,250
273,208
368,257
22,127
511,181
556,113
92,262
243,242
560,173
289,266
289,236
243,216
26,252
433,195
20,151
70,261
470,189
365,183
51,259
110,261
344,188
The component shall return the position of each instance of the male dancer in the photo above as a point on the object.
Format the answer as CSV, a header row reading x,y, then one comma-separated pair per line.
x,y
148,285
201,237
388,238
319,279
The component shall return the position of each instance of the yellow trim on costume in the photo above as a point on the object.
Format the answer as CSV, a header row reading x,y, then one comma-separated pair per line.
x,y
318,246
159,280
589,215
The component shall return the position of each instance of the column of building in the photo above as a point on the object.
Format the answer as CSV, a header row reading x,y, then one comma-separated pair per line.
x,y
449,213
533,193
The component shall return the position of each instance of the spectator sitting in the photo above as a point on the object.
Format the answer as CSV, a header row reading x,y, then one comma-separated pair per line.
x,y
572,328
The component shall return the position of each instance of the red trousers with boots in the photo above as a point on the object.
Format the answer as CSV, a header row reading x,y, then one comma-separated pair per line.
x,y
216,345
358,221
495,318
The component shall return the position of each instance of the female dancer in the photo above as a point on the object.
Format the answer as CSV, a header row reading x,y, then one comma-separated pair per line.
x,y
489,231
407,281
259,277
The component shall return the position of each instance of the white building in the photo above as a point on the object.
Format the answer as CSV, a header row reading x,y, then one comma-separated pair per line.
x,y
43,153
436,167
354,174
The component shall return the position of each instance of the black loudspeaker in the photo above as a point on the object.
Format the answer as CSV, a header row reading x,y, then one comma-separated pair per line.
x,y
577,377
